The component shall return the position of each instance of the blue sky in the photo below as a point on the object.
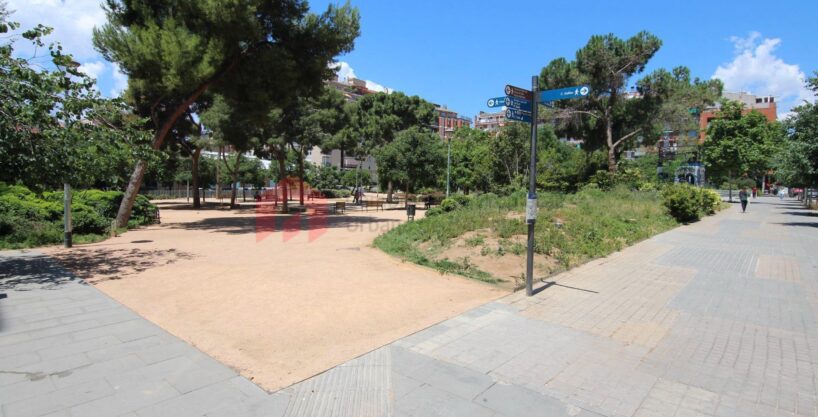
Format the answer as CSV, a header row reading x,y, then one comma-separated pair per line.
x,y
460,53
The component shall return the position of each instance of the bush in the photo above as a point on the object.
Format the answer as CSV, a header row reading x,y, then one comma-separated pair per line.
x,y
27,219
85,220
450,204
105,203
461,199
711,201
603,179
143,211
684,202
342,193
434,211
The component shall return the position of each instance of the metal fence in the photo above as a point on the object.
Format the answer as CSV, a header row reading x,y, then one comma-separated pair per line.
x,y
187,193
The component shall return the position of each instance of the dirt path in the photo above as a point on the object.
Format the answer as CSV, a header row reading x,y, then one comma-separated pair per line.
x,y
279,300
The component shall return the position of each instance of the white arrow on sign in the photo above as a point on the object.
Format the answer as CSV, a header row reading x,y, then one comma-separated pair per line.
x,y
583,91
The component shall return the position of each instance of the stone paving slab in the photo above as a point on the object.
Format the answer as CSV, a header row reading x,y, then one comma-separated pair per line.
x,y
710,319
66,349
716,318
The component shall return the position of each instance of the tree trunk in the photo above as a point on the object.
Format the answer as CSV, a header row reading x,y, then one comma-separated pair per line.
x,y
282,182
219,177
124,213
301,175
162,131
194,172
234,190
235,177
389,191
611,147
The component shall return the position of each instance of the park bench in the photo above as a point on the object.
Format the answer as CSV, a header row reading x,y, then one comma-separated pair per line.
x,y
340,206
377,204
430,201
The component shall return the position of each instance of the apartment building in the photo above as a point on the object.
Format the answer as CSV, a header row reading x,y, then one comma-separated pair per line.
x,y
490,122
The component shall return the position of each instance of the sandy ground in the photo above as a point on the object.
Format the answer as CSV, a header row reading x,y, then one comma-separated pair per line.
x,y
279,300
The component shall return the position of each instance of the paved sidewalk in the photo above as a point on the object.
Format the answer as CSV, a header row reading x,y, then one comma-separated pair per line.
x,y
713,319
717,318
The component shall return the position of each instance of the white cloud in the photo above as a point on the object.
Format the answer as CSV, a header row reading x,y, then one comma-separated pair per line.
x,y
120,81
756,69
72,20
93,69
372,85
345,72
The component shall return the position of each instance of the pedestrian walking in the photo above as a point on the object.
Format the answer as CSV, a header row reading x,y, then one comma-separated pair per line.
x,y
755,190
742,195
781,193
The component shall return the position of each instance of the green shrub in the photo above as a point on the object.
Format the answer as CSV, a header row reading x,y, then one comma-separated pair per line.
x,y
85,220
711,201
684,202
144,212
450,204
434,211
461,199
631,177
28,220
603,179
106,203
342,193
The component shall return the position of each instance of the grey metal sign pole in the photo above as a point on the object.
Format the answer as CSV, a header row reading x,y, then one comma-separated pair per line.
x,y
531,202
67,227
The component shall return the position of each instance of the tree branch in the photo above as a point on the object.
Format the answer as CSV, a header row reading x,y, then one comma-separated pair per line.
x,y
626,136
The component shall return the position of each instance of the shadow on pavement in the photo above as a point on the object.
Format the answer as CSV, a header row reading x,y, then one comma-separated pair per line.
x,y
802,213
30,271
278,223
100,264
806,224
548,284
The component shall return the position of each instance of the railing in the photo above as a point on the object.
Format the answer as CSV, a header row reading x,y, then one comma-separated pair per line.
x,y
187,193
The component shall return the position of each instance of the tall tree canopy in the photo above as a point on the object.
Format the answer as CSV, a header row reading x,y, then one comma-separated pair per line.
x,y
471,160
375,120
54,126
415,158
272,50
740,144
609,116
797,163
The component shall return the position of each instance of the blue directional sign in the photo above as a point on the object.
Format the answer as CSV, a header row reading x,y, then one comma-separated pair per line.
x,y
519,115
496,102
517,103
564,93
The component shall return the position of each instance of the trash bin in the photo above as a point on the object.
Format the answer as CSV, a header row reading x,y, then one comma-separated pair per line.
x,y
410,211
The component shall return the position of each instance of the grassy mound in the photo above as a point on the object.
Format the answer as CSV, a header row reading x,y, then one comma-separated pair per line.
x,y
570,230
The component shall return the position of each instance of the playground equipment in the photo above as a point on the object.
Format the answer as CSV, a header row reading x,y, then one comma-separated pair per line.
x,y
691,173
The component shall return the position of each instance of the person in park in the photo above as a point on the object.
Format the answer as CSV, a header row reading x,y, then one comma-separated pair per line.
x,y
755,190
742,195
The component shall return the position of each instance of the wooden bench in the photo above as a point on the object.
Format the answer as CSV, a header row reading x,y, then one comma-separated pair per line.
x,y
377,204
431,201
340,206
